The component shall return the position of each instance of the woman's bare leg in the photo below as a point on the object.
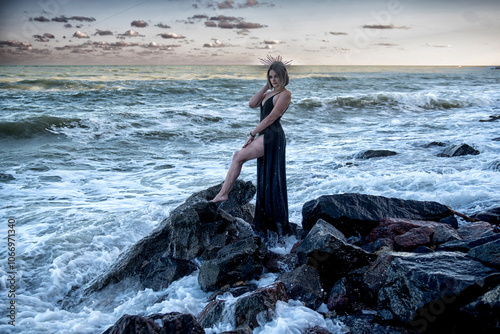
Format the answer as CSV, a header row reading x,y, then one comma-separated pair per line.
x,y
254,150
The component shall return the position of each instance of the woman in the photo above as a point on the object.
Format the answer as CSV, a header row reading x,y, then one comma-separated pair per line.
x,y
271,209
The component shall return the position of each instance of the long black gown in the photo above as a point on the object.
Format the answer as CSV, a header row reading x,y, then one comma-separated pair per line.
x,y
271,207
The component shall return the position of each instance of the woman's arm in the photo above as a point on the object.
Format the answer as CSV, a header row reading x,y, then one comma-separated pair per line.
x,y
257,98
278,110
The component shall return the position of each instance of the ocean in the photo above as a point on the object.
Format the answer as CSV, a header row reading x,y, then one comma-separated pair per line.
x,y
93,158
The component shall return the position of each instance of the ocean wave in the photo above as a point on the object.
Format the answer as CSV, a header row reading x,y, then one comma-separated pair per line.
x,y
405,101
36,126
52,85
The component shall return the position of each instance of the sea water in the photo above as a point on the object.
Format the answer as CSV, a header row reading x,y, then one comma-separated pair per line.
x,y
93,158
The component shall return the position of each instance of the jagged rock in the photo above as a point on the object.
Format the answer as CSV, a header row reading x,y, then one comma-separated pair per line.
x,y
316,330
212,314
365,324
262,302
303,284
491,216
184,235
458,150
491,119
408,285
6,177
485,310
325,249
488,253
476,229
409,234
175,322
355,214
374,154
159,273
379,245
242,260
467,244
281,263
134,324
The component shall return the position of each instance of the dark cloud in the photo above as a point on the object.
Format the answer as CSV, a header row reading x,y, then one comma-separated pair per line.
x,y
103,32
249,3
272,42
226,18
228,4
249,25
40,19
384,26
337,33
68,25
210,24
139,24
387,44
43,38
163,26
65,19
231,22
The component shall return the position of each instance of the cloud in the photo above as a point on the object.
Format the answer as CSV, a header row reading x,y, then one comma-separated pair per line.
x,y
210,24
43,38
103,32
130,33
384,26
337,33
249,25
65,19
250,3
40,19
272,42
171,35
228,4
80,34
216,44
387,44
438,46
163,26
139,24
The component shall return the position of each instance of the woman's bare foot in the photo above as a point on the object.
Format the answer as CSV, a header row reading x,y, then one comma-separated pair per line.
x,y
219,198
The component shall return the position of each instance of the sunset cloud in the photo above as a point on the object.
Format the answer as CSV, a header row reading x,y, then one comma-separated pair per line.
x,y
163,26
103,32
216,44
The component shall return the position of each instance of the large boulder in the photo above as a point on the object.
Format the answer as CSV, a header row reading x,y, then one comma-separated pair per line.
x,y
303,284
159,273
184,235
171,323
492,215
325,249
458,150
368,154
244,312
485,310
355,214
409,286
240,261
488,253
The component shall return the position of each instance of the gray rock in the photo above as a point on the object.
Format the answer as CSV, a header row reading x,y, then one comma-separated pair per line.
x,y
159,273
411,284
325,249
374,154
355,214
488,253
240,261
303,284
476,229
466,245
459,150
492,215
485,310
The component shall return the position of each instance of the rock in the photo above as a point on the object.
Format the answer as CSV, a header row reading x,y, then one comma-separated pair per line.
x,y
488,253
412,285
494,166
159,273
212,314
476,229
242,260
6,177
466,245
379,245
184,235
281,263
316,330
365,324
326,250
491,119
409,234
356,214
134,324
458,150
303,284
374,154
485,310
414,238
175,322
491,216
260,303
434,143
444,233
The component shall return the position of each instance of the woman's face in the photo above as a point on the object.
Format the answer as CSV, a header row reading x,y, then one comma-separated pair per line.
x,y
273,78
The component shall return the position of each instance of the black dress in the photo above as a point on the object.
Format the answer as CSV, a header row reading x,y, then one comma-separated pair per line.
x,y
271,207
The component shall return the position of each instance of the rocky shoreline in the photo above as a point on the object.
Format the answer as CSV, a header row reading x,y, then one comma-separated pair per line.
x,y
380,265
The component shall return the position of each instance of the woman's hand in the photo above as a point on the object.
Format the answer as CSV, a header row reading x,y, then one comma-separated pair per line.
x,y
249,140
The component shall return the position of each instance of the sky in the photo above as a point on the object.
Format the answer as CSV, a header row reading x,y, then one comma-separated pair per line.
x,y
314,32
